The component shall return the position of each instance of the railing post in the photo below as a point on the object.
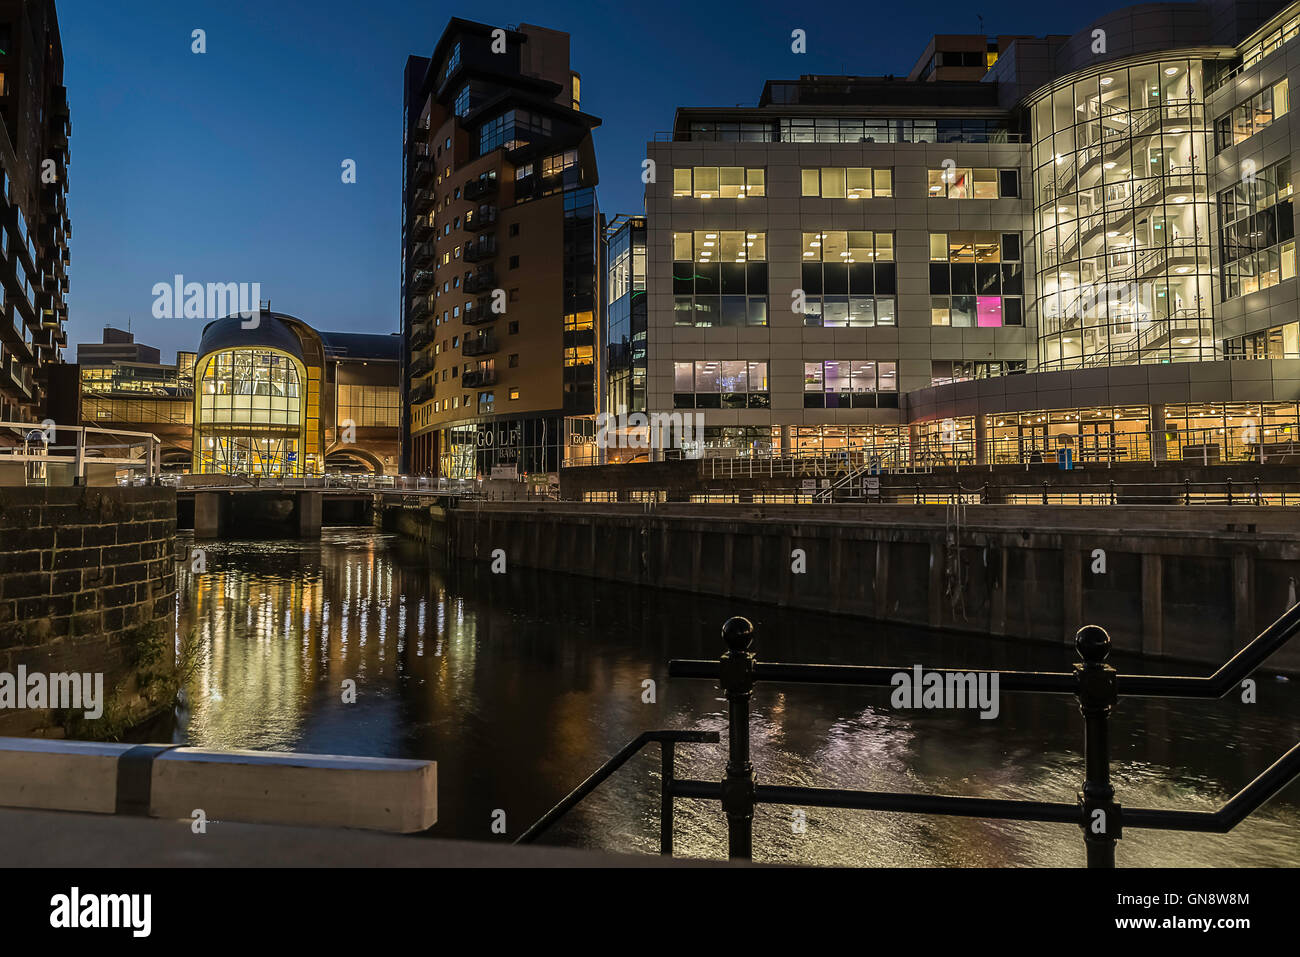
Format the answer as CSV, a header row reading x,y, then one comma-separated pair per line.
x,y
1258,500
1044,493
1229,491
668,752
1112,491
1096,691
736,669
1187,491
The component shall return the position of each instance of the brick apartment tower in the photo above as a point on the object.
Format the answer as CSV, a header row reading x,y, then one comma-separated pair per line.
x,y
33,203
499,213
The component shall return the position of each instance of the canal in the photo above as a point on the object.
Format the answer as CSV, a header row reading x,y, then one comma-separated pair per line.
x,y
521,684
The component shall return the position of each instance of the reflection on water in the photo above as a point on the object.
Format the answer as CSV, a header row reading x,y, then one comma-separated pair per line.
x,y
519,685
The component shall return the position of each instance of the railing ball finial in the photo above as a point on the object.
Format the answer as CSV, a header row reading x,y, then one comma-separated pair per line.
x,y
738,633
1092,642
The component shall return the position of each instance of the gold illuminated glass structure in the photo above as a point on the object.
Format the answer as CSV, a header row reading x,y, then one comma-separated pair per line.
x,y
257,399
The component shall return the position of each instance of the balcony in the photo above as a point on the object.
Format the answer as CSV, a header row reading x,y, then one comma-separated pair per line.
x,y
477,220
419,308
424,200
479,378
478,313
482,281
420,367
422,228
424,255
421,393
423,173
481,345
421,336
422,282
485,248
485,185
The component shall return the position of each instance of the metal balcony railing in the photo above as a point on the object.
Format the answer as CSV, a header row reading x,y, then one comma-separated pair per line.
x,y
421,336
478,313
422,281
482,281
479,345
482,249
483,186
477,220
478,378
420,366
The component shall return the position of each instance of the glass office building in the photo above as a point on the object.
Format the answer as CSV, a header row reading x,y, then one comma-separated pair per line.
x,y
1122,216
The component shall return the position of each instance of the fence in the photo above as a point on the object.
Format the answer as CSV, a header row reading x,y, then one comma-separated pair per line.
x,y
1096,686
37,454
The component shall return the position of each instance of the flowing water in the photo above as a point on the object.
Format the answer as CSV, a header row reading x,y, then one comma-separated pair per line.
x,y
519,685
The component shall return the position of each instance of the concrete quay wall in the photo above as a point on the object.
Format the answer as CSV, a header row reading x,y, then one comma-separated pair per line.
x,y
1192,584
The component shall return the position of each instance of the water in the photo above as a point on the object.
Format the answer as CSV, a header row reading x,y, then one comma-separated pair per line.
x,y
520,685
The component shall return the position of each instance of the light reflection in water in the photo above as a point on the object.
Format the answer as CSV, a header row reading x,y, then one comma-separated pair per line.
x,y
521,685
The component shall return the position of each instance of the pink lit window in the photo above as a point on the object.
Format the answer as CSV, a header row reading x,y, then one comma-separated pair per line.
x,y
989,311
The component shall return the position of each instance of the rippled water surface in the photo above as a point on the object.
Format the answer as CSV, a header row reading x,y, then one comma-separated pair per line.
x,y
519,685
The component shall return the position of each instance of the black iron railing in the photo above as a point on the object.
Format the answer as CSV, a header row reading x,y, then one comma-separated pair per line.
x,y
667,741
1096,685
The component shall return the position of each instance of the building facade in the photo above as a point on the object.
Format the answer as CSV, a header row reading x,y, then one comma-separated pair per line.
x,y
1078,242
499,278
279,399
35,230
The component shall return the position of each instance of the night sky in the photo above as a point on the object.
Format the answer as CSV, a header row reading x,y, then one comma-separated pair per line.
x,y
226,166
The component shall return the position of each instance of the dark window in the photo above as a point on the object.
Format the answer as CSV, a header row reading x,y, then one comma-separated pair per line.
x,y
514,262
512,328
1008,183
514,229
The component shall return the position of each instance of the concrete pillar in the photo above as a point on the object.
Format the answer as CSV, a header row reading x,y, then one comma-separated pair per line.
x,y
882,579
1153,639
983,449
1243,605
1159,447
998,599
207,515
309,514
1072,593
785,441
936,584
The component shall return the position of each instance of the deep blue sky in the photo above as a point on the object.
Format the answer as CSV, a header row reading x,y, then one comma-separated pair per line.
x,y
225,167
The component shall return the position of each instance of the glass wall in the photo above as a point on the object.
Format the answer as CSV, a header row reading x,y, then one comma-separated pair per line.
x,y
252,412
1122,214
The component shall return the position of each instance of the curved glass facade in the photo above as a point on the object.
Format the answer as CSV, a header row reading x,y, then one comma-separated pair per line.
x,y
252,411
1122,216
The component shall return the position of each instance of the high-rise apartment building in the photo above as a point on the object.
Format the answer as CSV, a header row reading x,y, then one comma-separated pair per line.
x,y
33,202
1063,242
500,248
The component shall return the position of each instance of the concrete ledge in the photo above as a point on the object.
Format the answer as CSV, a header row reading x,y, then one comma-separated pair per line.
x,y
59,775
378,794
258,787
54,839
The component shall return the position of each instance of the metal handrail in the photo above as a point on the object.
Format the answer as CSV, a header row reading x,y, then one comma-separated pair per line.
x,y
667,740
1096,685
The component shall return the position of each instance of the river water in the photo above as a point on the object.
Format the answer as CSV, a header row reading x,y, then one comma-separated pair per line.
x,y
519,685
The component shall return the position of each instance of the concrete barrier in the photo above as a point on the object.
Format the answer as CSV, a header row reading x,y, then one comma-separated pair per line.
x,y
255,787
